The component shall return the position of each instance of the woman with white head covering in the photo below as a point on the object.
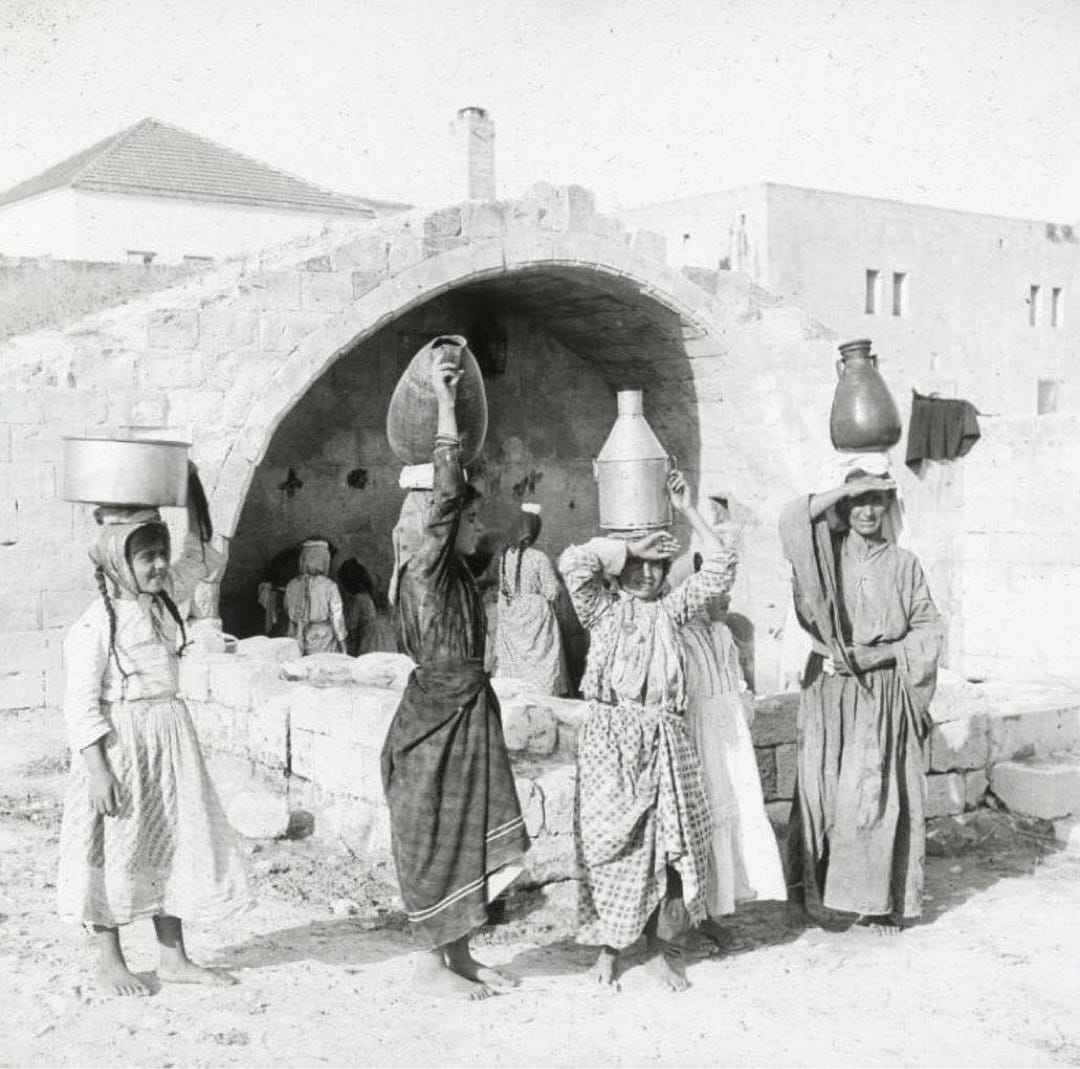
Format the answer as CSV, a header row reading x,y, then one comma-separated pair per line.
x,y
857,838
313,602
528,643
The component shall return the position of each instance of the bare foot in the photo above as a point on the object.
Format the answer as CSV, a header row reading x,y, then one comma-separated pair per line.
x,y
187,972
434,977
716,934
120,980
464,964
883,924
605,972
662,970
796,915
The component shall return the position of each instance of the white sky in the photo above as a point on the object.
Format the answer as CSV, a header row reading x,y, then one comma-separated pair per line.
x,y
964,103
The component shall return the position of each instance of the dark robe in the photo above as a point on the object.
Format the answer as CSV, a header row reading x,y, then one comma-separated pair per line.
x,y
454,811
857,836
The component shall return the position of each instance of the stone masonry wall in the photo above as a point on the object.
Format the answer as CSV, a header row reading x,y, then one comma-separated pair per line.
x,y
320,744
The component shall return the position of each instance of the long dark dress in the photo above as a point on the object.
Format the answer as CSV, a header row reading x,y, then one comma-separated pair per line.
x,y
454,811
857,837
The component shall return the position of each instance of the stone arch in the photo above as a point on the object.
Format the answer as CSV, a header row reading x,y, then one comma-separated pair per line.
x,y
399,292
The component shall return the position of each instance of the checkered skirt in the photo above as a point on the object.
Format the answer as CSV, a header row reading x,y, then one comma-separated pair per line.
x,y
640,807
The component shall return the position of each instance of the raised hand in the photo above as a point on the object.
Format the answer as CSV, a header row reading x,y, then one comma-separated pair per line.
x,y
869,484
445,376
656,546
682,499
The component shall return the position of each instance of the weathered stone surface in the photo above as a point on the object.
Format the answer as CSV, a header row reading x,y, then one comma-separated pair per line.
x,y
944,794
532,805
976,784
259,814
774,719
528,726
1044,787
960,744
766,761
1036,732
785,757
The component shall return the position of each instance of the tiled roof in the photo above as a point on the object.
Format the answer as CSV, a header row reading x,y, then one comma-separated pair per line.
x,y
155,159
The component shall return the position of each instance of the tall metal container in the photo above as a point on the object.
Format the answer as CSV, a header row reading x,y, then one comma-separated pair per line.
x,y
864,416
631,472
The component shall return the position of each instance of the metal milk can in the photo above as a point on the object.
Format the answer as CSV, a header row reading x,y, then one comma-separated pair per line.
x,y
631,472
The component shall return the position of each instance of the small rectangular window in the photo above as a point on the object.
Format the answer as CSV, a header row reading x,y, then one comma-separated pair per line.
x,y
1033,306
899,293
1057,307
873,287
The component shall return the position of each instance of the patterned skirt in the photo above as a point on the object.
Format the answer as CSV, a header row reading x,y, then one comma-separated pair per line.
x,y
169,849
640,809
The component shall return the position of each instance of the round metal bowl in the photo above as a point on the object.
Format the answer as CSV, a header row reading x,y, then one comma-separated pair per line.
x,y
111,471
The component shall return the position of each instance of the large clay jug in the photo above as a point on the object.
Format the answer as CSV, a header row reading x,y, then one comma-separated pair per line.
x,y
864,416
412,418
631,472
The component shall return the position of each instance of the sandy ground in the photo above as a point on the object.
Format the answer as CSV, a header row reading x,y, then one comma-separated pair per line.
x,y
990,978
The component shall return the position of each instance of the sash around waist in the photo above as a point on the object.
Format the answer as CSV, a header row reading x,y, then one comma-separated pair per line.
x,y
449,682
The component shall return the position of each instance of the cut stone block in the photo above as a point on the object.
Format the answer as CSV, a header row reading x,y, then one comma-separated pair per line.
x,y
944,794
786,766
259,814
1038,732
775,720
960,744
976,784
529,727
1043,787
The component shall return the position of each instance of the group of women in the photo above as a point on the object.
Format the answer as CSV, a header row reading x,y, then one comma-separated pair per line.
x,y
669,822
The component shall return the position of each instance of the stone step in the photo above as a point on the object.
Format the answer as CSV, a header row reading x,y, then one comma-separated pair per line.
x,y
1047,786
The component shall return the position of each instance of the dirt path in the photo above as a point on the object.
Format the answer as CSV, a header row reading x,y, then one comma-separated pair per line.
x,y
991,979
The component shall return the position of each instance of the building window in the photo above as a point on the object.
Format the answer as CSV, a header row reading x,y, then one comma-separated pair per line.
x,y
140,256
873,292
1033,306
1057,307
899,293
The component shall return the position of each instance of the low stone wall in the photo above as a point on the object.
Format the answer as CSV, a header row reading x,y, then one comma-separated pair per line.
x,y
320,744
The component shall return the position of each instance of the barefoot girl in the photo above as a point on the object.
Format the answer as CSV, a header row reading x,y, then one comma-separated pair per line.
x,y
456,824
143,833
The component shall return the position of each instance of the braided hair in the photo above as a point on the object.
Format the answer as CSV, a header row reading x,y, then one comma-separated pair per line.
x,y
99,575
526,531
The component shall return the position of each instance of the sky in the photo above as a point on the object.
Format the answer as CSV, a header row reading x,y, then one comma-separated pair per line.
x,y
969,104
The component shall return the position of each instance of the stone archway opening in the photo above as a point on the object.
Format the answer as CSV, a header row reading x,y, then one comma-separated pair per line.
x,y
555,343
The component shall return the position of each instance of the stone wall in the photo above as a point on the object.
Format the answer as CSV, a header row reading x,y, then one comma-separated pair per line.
x,y
320,743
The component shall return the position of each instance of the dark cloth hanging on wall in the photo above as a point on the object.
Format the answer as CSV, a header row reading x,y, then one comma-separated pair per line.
x,y
940,429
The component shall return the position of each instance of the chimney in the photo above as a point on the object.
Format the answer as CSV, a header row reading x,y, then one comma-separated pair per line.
x,y
474,140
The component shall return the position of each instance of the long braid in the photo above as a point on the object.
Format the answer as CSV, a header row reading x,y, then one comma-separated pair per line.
x,y
522,546
99,575
174,612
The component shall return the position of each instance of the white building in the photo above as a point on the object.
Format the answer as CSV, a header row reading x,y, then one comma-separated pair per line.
x,y
155,193
960,303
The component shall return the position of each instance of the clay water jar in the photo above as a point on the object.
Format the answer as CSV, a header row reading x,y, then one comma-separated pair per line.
x,y
864,416
413,415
